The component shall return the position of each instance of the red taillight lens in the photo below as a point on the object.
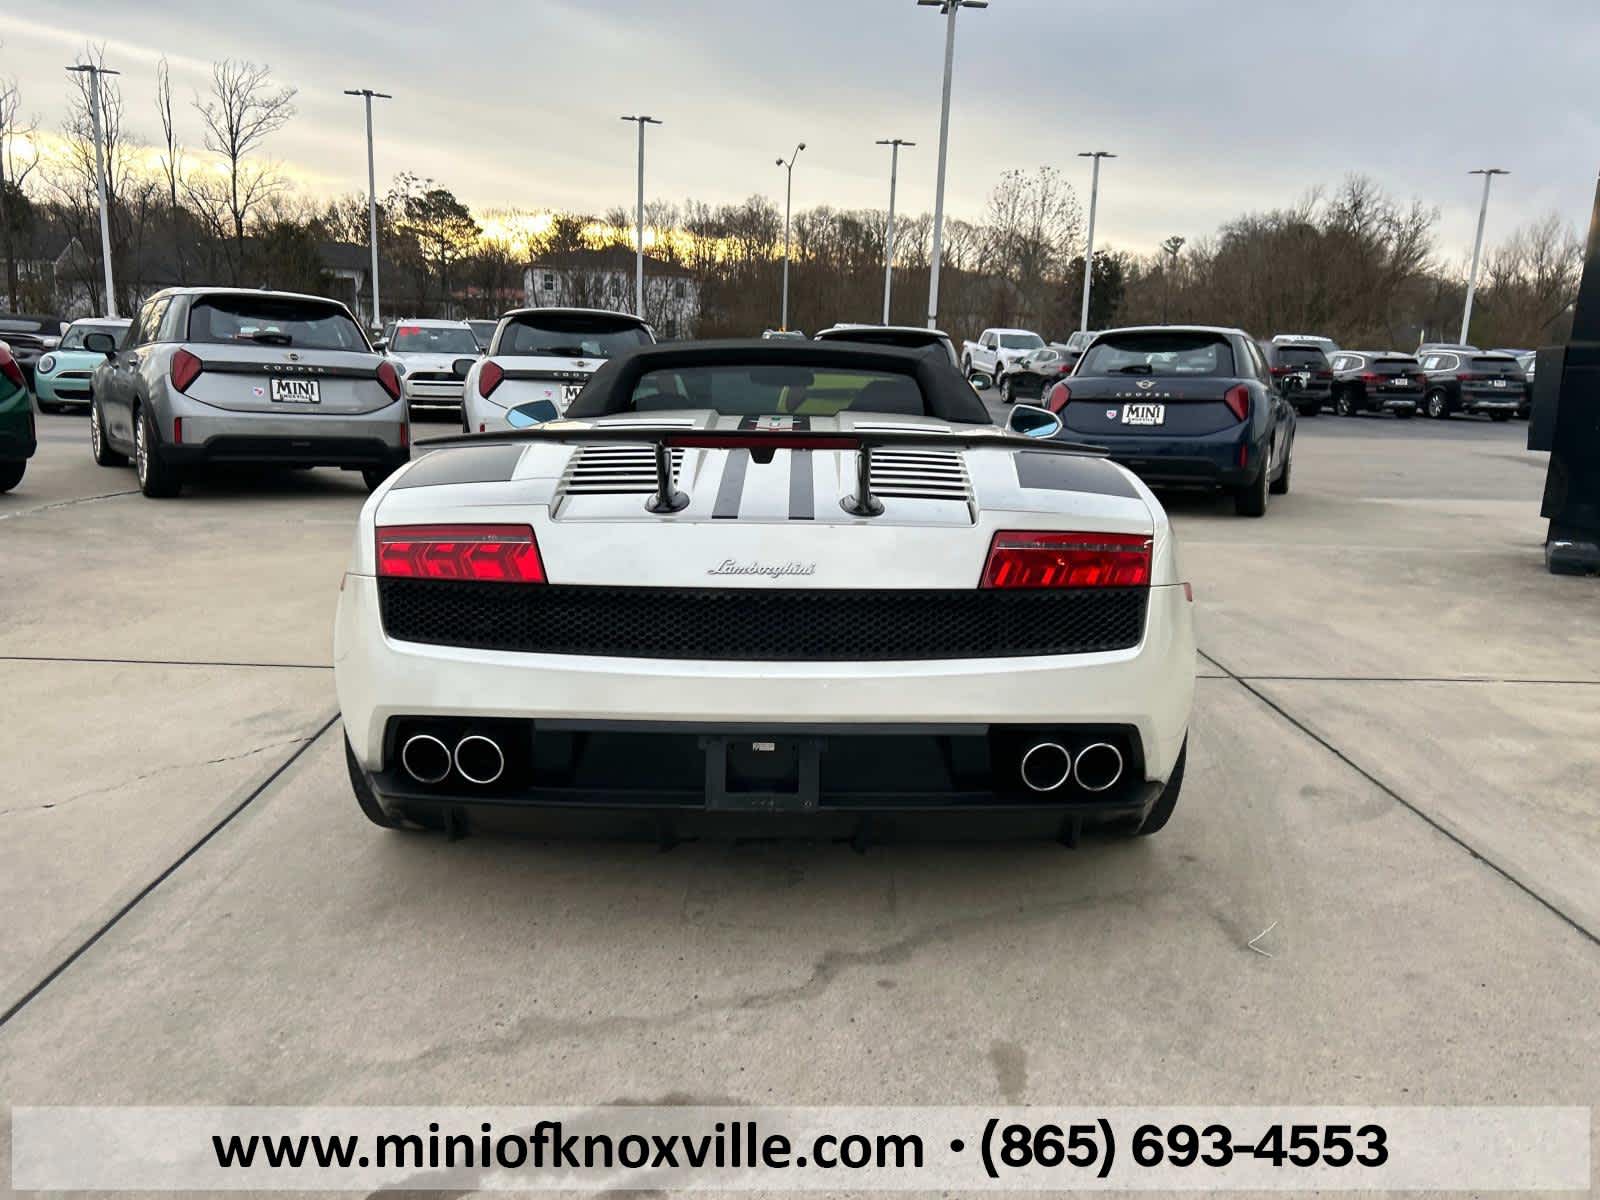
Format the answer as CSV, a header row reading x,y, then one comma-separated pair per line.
x,y
1469,377
389,379
186,369
1028,559
9,368
1370,377
487,553
177,431
1237,398
1279,370
490,376
1060,396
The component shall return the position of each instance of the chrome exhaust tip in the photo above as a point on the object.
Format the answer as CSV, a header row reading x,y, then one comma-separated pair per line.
x,y
1099,767
1045,767
425,758
479,759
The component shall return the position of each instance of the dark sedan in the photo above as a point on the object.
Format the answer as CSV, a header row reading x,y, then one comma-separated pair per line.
x,y
1376,381
1183,406
1466,382
1035,371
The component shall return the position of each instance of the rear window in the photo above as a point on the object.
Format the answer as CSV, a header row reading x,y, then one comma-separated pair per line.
x,y
1302,356
778,391
274,321
1021,341
1494,362
433,339
1394,362
571,336
1159,353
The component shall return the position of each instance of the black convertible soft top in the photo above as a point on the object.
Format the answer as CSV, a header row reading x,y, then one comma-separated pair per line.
x,y
946,395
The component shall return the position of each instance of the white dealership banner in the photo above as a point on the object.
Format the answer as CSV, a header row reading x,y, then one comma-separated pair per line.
x,y
962,1149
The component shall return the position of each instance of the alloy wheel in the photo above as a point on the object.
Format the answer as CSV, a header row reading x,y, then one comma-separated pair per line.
x,y
141,454
94,428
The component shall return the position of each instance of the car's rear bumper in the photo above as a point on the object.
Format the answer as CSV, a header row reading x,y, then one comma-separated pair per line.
x,y
430,394
1219,460
1147,689
1509,402
1391,402
376,438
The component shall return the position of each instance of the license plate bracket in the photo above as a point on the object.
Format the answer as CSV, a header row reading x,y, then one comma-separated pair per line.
x,y
296,391
1144,414
762,773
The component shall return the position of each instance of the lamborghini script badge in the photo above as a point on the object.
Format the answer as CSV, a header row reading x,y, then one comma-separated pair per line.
x,y
730,566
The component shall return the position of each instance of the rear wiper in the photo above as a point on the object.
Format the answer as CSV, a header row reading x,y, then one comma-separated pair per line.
x,y
1135,369
270,338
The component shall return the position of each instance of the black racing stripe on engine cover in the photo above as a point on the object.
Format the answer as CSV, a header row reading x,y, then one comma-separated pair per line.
x,y
730,492
467,464
1063,473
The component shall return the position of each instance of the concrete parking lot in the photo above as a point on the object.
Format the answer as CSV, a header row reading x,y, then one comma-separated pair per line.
x,y
1393,796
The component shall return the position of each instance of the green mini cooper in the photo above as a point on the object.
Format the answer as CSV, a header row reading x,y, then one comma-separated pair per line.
x,y
17,441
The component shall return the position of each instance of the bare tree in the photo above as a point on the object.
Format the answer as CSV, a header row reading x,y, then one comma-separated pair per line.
x,y
243,110
14,217
171,164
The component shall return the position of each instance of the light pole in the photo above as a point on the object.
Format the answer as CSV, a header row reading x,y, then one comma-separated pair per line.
x,y
94,73
888,240
949,8
638,258
788,193
372,195
1488,174
1172,245
1088,253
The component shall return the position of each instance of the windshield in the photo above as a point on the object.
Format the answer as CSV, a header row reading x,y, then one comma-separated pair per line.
x,y
1159,353
275,321
775,391
433,339
580,336
1020,341
73,338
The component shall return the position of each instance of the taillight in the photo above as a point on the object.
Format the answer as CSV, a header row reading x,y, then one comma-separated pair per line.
x,y
1034,559
9,368
490,376
1237,398
1421,380
487,553
186,369
177,431
1468,377
1060,396
1370,377
1064,369
389,379
1279,370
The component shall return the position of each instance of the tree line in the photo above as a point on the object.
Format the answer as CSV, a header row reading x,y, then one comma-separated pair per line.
x,y
1353,263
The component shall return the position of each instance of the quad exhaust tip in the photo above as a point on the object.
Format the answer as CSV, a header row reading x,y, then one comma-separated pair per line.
x,y
1099,767
1046,766
479,759
425,758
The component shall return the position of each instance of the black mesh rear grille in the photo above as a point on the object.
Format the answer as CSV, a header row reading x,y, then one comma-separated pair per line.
x,y
788,625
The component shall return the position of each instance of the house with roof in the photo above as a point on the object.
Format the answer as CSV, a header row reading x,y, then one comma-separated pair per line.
x,y
605,279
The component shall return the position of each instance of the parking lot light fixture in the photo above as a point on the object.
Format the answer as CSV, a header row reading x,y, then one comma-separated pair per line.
x,y
1088,251
369,96
94,72
788,196
638,257
1488,174
888,237
949,8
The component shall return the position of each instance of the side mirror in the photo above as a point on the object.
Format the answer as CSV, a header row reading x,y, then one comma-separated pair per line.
x,y
381,345
461,366
100,343
535,412
1033,422
980,383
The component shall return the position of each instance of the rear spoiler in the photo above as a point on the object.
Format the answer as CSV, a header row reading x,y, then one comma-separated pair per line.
x,y
762,443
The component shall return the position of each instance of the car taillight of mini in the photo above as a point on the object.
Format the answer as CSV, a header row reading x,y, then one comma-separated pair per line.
x,y
490,376
482,553
186,369
389,379
1060,396
1237,398
1042,559
9,368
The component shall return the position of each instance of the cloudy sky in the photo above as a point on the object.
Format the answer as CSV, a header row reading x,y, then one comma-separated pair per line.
x,y
1214,108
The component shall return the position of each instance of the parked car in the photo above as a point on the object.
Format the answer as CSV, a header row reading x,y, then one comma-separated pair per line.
x,y
1465,382
1027,378
1300,370
1327,345
1183,405
425,353
62,376
29,336
1528,362
228,375
1078,341
558,616
1377,381
17,435
483,331
544,354
913,337
989,356
793,335
1427,346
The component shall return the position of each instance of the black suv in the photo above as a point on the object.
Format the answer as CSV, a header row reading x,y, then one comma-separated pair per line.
x,y
1301,373
1473,382
30,338
1376,381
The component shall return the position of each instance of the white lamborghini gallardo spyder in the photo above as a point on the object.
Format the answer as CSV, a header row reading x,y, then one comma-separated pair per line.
x,y
811,583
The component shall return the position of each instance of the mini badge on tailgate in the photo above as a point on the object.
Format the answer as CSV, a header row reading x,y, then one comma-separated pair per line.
x,y
296,391
1144,414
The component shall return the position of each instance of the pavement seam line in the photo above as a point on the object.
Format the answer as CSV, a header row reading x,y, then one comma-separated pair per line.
x,y
43,508
1383,787
166,873
159,662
